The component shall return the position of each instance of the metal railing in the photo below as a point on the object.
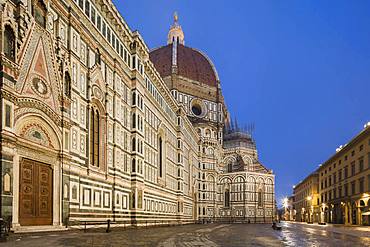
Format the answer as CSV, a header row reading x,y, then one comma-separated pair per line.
x,y
232,220
108,225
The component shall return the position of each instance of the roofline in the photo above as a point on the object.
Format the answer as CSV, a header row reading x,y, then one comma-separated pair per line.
x,y
349,145
157,48
312,174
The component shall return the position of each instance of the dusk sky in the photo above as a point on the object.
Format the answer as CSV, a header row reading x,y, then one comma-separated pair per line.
x,y
298,70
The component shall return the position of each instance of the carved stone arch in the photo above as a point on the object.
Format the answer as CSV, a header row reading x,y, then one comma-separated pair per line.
x,y
207,132
210,150
251,180
9,17
97,94
225,187
98,105
228,162
40,130
229,158
239,176
211,177
39,110
225,180
11,24
248,159
269,181
162,130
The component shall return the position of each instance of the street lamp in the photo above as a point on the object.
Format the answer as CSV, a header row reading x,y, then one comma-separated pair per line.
x,y
285,205
323,212
285,202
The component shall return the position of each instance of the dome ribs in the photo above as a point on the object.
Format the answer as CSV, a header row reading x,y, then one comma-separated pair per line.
x,y
191,64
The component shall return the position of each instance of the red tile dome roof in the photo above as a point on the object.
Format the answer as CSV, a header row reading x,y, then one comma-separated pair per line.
x,y
191,64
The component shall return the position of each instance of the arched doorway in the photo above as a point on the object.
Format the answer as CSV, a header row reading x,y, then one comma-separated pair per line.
x,y
37,171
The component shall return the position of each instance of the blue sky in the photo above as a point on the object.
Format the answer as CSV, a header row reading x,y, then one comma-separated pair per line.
x,y
298,70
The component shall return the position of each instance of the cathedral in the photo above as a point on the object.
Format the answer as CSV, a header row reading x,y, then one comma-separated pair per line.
x,y
96,126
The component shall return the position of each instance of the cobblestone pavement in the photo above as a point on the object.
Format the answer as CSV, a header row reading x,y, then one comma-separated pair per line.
x,y
210,235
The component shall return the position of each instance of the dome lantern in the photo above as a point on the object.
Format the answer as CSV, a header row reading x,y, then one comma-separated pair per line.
x,y
176,35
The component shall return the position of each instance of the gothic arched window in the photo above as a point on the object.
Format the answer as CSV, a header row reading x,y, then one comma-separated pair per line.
x,y
39,12
230,167
227,198
9,43
260,198
133,144
133,98
133,168
160,157
134,121
94,137
67,84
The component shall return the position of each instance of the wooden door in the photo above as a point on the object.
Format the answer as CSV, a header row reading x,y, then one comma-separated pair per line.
x,y
35,193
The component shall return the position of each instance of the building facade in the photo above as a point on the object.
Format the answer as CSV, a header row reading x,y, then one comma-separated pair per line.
x,y
306,199
345,183
95,126
338,191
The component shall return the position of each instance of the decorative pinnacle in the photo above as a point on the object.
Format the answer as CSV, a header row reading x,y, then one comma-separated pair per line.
x,y
175,17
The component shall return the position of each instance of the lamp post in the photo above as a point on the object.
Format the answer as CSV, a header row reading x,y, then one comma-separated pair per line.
x,y
323,212
285,205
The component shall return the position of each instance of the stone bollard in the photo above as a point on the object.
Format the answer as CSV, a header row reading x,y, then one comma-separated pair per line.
x,y
108,226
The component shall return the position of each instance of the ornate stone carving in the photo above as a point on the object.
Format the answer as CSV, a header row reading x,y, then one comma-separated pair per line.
x,y
50,22
36,133
24,24
40,87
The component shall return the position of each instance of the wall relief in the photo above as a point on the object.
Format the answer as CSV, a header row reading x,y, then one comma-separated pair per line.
x,y
37,134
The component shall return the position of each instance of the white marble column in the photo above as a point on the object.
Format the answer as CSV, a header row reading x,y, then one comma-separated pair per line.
x,y
56,194
16,164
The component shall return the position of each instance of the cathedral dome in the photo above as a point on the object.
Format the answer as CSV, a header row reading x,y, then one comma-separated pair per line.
x,y
184,61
